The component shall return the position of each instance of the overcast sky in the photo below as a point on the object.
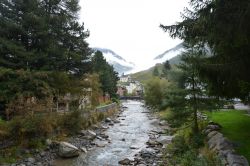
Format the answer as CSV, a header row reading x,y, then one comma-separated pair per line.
x,y
131,27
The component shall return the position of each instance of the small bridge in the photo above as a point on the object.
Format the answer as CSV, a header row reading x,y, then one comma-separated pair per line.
x,y
131,98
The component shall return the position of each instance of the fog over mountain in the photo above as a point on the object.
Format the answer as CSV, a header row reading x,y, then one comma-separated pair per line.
x,y
169,54
119,63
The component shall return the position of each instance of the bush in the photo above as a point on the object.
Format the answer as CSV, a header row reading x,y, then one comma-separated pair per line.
x,y
187,149
115,100
4,133
71,123
178,146
29,129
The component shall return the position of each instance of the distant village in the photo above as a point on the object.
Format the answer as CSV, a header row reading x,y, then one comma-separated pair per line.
x,y
128,87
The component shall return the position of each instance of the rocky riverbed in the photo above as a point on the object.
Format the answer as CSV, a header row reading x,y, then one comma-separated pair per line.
x,y
131,137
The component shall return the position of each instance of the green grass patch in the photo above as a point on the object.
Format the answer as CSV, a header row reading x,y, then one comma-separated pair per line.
x,y
235,126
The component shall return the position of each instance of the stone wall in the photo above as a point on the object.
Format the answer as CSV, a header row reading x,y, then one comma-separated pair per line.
x,y
223,147
107,108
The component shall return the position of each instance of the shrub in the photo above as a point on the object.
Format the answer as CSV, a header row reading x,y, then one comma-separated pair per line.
x,y
30,129
4,133
71,123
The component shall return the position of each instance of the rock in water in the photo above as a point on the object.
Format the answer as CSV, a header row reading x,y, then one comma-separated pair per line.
x,y
108,120
126,161
117,121
91,133
67,150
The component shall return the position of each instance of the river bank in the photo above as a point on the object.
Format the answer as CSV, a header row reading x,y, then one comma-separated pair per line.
x,y
132,136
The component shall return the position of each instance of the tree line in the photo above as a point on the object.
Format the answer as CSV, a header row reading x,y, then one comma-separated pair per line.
x,y
215,64
44,53
214,69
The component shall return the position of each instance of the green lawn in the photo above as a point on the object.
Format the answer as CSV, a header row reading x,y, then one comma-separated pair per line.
x,y
236,127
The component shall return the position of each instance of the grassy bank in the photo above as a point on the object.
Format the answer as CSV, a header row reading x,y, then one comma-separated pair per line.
x,y
187,148
235,126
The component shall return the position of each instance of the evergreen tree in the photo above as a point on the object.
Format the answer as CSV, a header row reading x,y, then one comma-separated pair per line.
x,y
188,93
108,76
42,49
155,71
223,27
43,35
166,68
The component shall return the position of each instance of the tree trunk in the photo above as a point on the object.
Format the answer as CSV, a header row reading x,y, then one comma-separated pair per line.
x,y
195,106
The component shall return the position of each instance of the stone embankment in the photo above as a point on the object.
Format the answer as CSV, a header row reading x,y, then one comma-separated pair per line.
x,y
223,147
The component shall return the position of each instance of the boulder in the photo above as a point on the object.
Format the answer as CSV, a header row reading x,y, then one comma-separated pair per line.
x,y
162,123
111,124
104,136
67,150
152,143
211,134
134,147
95,127
164,139
213,127
117,121
214,123
214,140
84,150
223,144
206,131
108,120
88,134
125,161
101,143
91,133
31,160
234,160
104,127
147,153
48,142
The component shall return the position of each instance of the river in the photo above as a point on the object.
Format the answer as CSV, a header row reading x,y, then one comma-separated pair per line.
x,y
127,138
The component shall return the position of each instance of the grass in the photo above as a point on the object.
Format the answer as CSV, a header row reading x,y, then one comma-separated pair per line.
x,y
235,126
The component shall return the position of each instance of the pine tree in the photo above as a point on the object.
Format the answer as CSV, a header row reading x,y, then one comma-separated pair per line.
x,y
223,27
108,76
155,71
43,35
188,94
42,48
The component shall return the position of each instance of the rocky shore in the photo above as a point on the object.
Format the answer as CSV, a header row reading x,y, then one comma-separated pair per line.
x,y
152,155
96,137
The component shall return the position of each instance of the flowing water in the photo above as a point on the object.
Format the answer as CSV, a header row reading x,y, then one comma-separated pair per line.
x,y
131,132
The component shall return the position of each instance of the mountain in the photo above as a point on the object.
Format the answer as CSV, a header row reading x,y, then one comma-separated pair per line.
x,y
120,64
175,60
146,75
172,55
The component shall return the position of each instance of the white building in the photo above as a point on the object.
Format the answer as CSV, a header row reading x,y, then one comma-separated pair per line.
x,y
134,88
125,78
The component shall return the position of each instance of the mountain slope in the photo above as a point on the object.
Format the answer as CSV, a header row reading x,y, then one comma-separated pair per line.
x,y
146,75
120,64
170,54
175,60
